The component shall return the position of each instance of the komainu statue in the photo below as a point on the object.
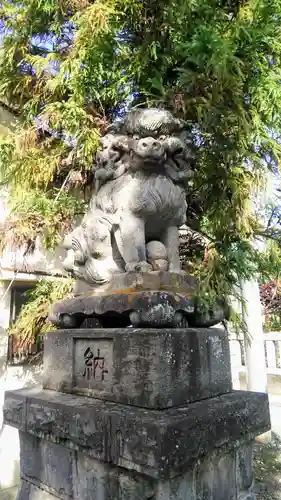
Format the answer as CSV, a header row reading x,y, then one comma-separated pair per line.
x,y
125,253
141,175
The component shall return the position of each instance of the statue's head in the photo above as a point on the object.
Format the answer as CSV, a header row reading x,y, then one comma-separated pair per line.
x,y
144,139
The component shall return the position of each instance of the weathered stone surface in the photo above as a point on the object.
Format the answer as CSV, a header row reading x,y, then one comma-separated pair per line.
x,y
156,299
14,411
179,488
91,479
28,491
210,478
92,365
149,368
247,496
144,281
134,486
138,308
83,448
46,464
244,466
158,443
215,479
97,480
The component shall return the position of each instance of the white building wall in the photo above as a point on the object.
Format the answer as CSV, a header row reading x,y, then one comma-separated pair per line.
x,y
11,377
16,377
39,261
15,267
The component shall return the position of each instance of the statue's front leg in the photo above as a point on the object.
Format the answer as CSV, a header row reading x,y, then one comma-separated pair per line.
x,y
171,241
132,243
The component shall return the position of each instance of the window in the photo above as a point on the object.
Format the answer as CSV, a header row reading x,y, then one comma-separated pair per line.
x,y
19,298
17,353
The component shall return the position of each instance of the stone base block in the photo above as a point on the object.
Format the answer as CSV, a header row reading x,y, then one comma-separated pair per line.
x,y
28,491
150,368
159,444
77,448
50,471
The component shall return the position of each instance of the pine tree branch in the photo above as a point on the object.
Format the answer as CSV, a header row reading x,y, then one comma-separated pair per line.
x,y
270,235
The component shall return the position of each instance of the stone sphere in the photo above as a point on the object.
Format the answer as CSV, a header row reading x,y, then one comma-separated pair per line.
x,y
156,250
156,254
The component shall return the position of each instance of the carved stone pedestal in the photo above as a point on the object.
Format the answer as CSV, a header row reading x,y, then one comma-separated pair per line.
x,y
135,414
155,299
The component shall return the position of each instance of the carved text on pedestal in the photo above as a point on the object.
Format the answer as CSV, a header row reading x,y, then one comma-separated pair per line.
x,y
92,368
94,365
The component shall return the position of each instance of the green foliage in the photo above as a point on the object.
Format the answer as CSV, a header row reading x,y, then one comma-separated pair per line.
x,y
267,464
33,316
35,213
28,164
235,260
215,64
272,323
270,294
270,262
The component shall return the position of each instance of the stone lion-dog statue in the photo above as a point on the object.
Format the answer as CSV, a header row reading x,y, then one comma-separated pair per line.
x,y
141,176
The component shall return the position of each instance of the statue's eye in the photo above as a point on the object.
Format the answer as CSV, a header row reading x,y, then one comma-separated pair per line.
x,y
179,150
162,138
136,137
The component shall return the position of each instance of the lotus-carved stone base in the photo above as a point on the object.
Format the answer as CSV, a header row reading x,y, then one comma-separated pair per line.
x,y
139,309
154,300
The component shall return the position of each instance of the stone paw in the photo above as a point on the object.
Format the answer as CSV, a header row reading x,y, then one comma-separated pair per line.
x,y
179,320
69,321
140,267
135,318
79,257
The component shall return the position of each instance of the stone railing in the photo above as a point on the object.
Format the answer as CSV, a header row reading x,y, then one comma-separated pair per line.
x,y
272,346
